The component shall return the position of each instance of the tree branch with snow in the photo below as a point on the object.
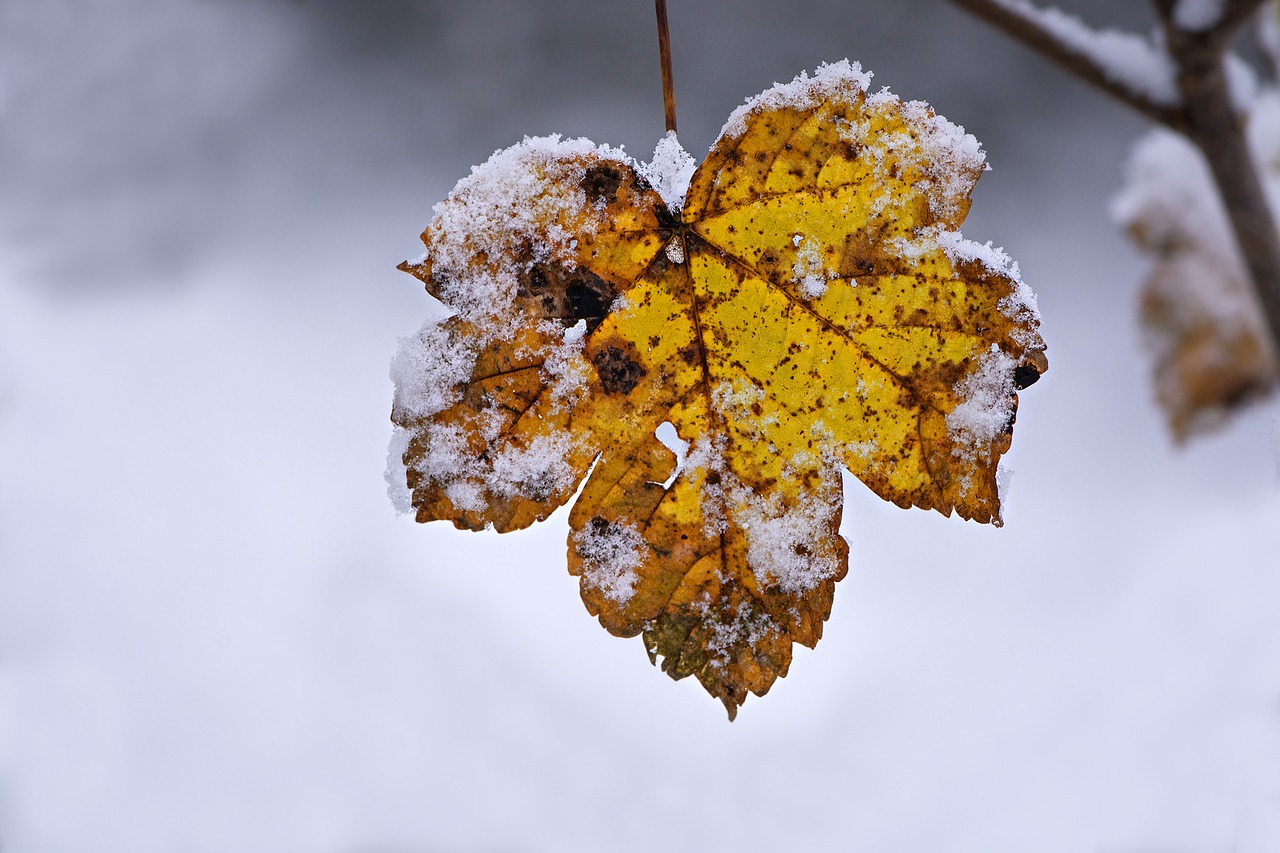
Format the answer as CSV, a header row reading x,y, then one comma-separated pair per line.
x,y
1128,67
1181,78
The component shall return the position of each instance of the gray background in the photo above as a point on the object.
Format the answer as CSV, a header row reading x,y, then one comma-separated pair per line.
x,y
215,634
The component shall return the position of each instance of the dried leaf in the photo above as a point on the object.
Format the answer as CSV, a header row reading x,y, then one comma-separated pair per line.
x,y
710,362
1207,360
1209,346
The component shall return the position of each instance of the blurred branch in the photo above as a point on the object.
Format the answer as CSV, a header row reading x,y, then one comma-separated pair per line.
x,y
1235,14
1203,111
1267,42
1030,25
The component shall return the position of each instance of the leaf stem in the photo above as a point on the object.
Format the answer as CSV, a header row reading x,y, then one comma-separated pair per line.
x,y
664,53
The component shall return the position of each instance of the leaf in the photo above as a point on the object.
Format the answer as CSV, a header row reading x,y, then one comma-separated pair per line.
x,y
1209,347
709,363
1208,341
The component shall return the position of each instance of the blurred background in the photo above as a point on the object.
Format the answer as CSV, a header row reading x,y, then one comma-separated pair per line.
x,y
216,635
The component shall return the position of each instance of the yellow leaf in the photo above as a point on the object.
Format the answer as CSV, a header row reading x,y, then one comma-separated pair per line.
x,y
708,363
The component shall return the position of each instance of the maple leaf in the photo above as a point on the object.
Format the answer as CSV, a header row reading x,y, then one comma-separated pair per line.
x,y
709,362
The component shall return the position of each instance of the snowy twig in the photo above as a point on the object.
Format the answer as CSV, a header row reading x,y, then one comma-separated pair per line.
x,y
1201,106
1035,27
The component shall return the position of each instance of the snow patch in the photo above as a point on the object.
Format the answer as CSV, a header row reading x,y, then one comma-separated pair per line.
x,y
427,369
611,552
986,405
836,79
669,171
465,495
1242,82
785,547
734,630
941,158
993,258
809,271
537,469
735,399
509,213
565,369
1004,482
950,158
705,456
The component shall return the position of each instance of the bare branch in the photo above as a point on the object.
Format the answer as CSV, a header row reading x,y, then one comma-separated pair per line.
x,y
1233,15
1236,14
1202,110
1029,25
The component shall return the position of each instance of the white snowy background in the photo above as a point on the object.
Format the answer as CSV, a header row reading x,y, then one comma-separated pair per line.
x,y
216,635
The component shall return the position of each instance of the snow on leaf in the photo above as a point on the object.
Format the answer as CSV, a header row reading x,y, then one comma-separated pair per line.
x,y
709,371
1207,339
669,171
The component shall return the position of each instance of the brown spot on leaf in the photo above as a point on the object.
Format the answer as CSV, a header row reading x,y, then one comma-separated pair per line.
x,y
619,368
1024,376
568,296
601,182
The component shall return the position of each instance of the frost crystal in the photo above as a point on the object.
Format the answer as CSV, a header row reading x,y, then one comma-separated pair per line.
x,y
611,552
675,250
732,630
